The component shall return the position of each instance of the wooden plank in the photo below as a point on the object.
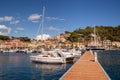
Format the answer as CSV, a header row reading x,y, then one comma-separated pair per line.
x,y
85,69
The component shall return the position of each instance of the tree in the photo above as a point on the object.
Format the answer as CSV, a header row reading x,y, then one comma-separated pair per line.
x,y
73,37
104,32
67,32
25,39
2,37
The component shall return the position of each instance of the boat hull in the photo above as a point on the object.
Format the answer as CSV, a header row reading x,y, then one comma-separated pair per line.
x,y
69,60
51,60
94,48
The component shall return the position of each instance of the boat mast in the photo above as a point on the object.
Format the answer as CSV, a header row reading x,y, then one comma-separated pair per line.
x,y
42,22
94,36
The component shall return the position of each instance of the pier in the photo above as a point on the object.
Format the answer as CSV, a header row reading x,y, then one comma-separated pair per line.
x,y
86,68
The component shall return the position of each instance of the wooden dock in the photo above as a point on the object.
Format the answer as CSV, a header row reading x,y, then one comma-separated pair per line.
x,y
86,68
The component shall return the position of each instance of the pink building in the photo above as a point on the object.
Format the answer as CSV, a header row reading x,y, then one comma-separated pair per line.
x,y
13,43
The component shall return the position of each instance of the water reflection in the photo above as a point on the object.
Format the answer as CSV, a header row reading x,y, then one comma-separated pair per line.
x,y
49,68
16,66
13,60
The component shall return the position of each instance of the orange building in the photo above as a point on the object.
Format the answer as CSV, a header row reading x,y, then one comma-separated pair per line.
x,y
15,43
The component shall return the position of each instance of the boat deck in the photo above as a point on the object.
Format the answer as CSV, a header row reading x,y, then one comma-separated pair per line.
x,y
85,69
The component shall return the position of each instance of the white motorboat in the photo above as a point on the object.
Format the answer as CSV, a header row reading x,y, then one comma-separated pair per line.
x,y
68,55
49,58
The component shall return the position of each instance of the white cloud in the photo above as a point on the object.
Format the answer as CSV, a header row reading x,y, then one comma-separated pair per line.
x,y
54,18
1,33
8,18
4,30
14,22
19,28
35,21
34,17
1,19
53,28
45,36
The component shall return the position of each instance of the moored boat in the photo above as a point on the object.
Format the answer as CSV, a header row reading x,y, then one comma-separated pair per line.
x,y
95,46
54,58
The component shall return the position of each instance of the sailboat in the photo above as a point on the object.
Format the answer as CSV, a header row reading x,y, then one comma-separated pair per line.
x,y
94,47
47,56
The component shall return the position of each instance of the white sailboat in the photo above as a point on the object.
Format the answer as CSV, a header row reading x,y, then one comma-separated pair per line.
x,y
45,56
95,47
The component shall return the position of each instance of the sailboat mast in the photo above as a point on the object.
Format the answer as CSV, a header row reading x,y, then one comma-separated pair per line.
x,y
94,36
42,22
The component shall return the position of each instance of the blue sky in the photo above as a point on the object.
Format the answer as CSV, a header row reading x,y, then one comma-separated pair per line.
x,y
23,17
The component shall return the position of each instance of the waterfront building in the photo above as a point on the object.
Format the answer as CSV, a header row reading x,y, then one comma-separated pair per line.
x,y
116,44
14,43
107,44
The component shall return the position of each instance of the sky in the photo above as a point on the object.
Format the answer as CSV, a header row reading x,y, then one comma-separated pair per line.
x,y
23,18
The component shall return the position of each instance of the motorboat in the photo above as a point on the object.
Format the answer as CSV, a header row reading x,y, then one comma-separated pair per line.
x,y
53,58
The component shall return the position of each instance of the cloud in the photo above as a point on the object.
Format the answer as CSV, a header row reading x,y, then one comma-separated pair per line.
x,y
6,18
1,19
45,36
34,18
54,18
4,30
36,21
14,22
53,28
9,19
19,28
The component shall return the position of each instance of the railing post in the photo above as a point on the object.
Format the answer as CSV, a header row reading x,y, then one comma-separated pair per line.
x,y
95,53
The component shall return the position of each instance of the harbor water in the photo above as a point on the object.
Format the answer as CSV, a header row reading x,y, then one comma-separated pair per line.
x,y
17,66
110,61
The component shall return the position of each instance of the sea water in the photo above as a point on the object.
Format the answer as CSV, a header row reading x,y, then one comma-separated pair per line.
x,y
110,61
17,66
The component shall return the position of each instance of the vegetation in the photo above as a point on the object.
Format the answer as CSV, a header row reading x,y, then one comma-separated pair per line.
x,y
24,39
67,32
104,32
4,37
73,37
